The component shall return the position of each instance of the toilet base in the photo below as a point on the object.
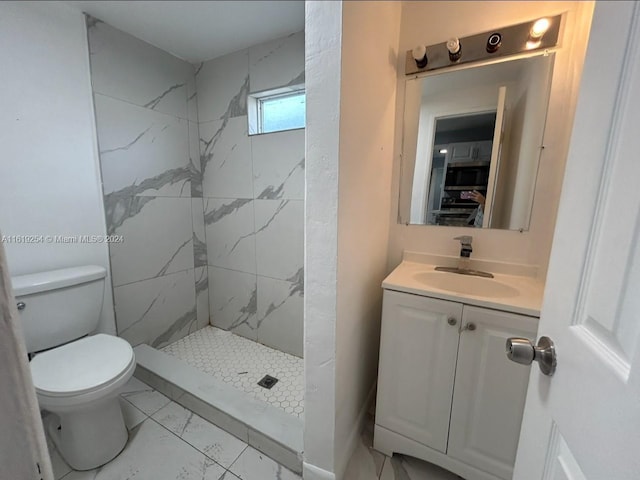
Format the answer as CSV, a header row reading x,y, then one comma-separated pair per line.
x,y
89,437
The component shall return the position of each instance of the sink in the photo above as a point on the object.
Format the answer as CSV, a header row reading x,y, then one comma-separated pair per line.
x,y
466,285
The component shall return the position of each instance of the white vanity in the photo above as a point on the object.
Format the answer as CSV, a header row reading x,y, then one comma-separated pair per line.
x,y
446,391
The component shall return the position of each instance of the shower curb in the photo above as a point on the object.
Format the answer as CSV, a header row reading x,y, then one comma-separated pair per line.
x,y
261,425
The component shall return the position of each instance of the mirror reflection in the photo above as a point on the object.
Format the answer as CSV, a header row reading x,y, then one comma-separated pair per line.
x,y
472,142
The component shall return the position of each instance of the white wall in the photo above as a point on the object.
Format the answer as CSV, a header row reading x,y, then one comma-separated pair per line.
x,y
367,128
349,159
422,22
323,38
49,180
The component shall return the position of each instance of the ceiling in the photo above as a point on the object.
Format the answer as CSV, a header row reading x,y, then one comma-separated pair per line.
x,y
200,30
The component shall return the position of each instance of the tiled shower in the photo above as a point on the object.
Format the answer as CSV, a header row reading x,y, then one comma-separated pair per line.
x,y
211,218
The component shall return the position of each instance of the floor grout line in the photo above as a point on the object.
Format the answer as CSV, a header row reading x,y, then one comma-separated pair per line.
x,y
236,460
192,446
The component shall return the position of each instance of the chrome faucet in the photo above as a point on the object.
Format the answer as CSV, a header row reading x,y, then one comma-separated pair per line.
x,y
465,251
464,263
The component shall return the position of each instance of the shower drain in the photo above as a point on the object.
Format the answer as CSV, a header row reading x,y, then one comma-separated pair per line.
x,y
268,381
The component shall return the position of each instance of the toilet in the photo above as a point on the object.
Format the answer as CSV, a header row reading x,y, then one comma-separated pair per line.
x,y
77,376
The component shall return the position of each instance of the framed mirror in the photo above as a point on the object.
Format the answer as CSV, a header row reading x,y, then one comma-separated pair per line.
x,y
471,144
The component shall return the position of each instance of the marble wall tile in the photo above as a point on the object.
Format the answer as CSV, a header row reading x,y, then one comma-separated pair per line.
x,y
225,151
157,237
261,176
229,225
202,296
127,68
280,313
277,63
222,85
233,301
142,152
199,237
157,311
195,166
192,95
278,165
279,238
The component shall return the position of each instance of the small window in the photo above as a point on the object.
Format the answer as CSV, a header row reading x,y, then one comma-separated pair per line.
x,y
276,110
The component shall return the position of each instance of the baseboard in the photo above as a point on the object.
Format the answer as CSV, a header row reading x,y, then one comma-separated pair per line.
x,y
311,472
354,436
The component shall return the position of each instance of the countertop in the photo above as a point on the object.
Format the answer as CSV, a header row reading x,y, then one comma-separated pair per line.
x,y
528,301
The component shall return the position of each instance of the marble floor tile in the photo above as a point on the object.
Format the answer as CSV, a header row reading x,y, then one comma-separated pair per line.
x,y
60,467
253,465
148,401
400,467
154,453
214,442
132,415
369,464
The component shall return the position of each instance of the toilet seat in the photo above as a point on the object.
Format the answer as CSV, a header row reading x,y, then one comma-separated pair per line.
x,y
84,369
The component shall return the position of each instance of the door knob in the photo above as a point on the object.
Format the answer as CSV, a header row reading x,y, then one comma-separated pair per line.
x,y
522,350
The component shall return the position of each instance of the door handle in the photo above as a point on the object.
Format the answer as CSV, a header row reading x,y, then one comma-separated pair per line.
x,y
522,350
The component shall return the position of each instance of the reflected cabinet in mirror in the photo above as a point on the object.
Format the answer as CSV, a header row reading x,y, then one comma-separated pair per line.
x,y
471,144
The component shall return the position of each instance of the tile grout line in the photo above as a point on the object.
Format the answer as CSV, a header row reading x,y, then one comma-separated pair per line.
x,y
154,278
193,446
177,117
236,460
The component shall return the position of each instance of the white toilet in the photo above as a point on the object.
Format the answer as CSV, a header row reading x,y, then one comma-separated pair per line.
x,y
77,377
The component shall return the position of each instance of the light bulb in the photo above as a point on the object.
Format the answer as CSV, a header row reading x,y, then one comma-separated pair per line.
x,y
453,45
455,49
420,56
539,28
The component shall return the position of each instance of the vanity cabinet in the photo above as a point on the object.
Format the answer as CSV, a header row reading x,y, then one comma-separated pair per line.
x,y
446,391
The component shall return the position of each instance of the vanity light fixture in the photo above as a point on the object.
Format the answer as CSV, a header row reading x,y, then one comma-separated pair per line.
x,y
455,49
538,29
539,34
443,150
420,56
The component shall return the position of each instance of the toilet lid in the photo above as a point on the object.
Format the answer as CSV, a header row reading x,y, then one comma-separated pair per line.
x,y
81,366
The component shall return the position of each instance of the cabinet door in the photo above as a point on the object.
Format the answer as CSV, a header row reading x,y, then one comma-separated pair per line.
x,y
489,391
418,351
483,150
461,152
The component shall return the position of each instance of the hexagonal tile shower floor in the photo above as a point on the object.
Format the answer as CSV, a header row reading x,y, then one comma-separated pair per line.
x,y
242,363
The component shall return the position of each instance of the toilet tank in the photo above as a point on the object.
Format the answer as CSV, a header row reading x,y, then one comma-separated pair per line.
x,y
59,306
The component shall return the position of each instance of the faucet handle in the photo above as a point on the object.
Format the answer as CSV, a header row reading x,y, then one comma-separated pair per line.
x,y
465,239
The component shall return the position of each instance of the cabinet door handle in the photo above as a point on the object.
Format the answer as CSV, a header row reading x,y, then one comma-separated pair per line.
x,y
452,321
469,326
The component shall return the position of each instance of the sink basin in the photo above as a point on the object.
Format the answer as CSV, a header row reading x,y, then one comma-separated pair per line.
x,y
466,285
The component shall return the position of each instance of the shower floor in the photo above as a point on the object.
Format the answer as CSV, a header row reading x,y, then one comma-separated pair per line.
x,y
242,363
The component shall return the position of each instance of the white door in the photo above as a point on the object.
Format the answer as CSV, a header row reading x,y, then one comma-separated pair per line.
x,y
584,421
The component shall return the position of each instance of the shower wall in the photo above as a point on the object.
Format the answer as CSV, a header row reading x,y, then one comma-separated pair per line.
x,y
253,188
147,129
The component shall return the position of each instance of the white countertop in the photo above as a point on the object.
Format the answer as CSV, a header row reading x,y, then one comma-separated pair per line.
x,y
528,300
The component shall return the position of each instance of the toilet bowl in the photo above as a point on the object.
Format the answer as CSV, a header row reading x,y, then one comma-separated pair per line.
x,y
79,383
77,375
